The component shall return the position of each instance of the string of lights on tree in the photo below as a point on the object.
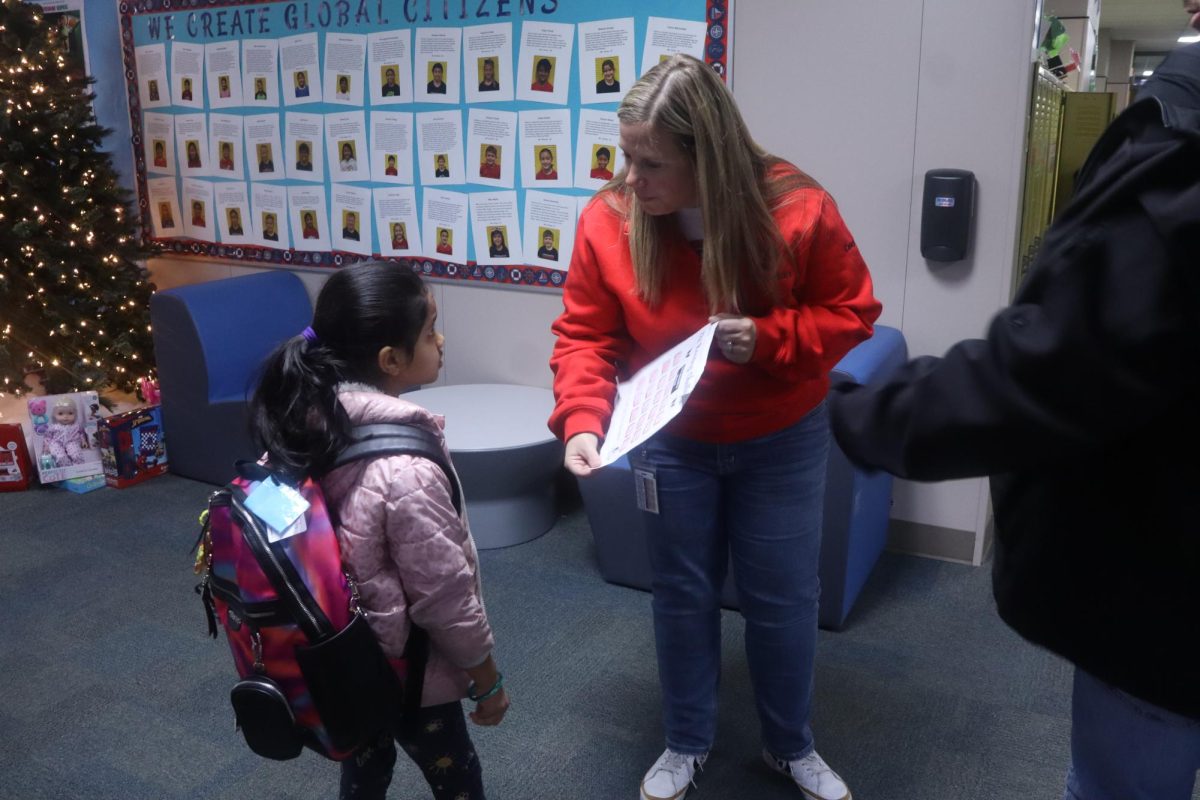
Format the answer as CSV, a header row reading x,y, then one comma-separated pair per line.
x,y
74,298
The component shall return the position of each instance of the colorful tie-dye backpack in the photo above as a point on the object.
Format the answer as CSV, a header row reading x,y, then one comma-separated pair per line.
x,y
312,672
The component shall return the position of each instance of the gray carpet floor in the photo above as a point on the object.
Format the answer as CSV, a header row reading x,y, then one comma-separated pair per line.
x,y
110,688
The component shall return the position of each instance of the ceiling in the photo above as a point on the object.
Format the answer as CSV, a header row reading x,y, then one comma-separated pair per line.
x,y
1154,25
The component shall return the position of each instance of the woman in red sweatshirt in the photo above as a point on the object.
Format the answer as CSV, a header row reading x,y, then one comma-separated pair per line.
x,y
702,224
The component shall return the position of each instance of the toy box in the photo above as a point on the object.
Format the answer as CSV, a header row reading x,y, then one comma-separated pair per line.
x,y
132,446
15,469
64,436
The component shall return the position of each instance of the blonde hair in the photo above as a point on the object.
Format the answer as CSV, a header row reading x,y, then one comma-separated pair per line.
x,y
684,99
66,403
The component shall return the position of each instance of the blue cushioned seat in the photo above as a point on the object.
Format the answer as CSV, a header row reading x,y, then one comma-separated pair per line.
x,y
857,506
209,341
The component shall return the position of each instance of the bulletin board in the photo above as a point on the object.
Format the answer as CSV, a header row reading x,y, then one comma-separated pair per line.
x,y
461,137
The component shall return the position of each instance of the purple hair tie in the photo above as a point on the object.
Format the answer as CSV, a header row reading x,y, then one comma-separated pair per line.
x,y
309,334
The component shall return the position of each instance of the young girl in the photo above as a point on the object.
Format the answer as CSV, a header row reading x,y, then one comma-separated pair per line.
x,y
411,554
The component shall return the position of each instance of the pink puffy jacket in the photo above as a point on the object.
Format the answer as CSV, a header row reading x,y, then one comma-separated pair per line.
x,y
411,554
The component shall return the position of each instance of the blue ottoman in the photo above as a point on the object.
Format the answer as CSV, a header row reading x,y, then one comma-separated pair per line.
x,y
209,341
857,506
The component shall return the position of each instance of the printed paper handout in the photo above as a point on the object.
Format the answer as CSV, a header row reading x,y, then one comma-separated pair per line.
x,y
656,394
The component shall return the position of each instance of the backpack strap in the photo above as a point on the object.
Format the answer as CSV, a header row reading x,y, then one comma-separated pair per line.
x,y
390,439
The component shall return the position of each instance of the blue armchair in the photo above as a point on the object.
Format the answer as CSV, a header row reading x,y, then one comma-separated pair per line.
x,y
857,506
209,341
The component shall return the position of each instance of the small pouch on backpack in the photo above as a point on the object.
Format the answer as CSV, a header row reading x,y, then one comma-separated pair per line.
x,y
265,718
353,687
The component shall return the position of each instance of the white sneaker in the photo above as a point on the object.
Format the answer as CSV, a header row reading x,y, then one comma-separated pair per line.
x,y
812,775
671,776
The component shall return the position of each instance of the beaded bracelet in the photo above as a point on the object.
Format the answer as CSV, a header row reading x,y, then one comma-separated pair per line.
x,y
492,692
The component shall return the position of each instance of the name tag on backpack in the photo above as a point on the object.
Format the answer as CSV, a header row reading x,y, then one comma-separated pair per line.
x,y
280,506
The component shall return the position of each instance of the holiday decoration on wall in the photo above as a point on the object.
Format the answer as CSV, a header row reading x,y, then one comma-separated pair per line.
x,y
74,299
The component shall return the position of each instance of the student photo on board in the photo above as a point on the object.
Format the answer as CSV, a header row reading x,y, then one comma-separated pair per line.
x,y
193,154
343,87
497,246
545,159
399,236
543,74
489,165
266,162
166,218
608,82
444,245
548,250
350,226
234,217
304,156
437,78
223,86
160,153
440,168
198,217
270,233
152,90
487,75
260,88
185,92
309,228
226,160
389,167
601,156
301,79
348,162
390,87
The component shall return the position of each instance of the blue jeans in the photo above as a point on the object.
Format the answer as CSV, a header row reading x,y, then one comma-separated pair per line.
x,y
757,504
1123,748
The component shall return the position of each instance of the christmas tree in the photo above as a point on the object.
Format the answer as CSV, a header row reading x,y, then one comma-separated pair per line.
x,y
74,300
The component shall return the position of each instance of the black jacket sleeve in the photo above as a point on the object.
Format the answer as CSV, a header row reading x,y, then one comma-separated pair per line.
x,y
1102,339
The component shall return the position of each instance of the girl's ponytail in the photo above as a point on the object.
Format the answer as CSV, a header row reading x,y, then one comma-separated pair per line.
x,y
294,414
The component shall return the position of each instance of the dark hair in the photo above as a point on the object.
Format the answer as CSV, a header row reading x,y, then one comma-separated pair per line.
x,y
603,151
295,415
608,62
543,63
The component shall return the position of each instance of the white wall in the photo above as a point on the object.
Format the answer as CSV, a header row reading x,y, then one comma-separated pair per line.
x,y
867,98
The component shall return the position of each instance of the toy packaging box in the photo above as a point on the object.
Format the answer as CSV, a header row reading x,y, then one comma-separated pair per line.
x,y
15,469
132,446
64,435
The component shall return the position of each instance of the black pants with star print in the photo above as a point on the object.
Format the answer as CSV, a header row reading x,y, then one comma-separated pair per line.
x,y
436,740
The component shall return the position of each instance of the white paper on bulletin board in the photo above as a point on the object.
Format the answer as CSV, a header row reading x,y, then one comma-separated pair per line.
x,y
319,85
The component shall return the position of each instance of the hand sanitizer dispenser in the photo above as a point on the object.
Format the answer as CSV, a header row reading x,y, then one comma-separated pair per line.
x,y
946,213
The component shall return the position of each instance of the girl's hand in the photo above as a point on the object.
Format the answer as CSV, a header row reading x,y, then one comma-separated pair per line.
x,y
736,336
492,710
582,454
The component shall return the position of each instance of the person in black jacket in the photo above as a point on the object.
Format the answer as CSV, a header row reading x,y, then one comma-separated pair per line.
x,y
1083,405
